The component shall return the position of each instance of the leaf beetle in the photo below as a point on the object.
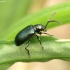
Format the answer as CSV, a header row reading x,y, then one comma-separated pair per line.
x,y
30,31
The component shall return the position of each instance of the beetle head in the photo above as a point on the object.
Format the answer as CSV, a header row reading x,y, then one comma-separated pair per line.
x,y
39,28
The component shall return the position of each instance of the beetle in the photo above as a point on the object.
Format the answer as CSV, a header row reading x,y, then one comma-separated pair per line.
x,y
30,31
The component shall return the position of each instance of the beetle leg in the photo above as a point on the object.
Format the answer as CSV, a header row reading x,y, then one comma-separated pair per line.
x,y
39,41
48,34
45,33
26,47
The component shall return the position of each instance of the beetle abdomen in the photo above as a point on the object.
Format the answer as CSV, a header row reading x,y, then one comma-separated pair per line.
x,y
24,35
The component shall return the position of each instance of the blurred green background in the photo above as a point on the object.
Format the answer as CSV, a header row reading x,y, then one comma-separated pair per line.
x,y
12,12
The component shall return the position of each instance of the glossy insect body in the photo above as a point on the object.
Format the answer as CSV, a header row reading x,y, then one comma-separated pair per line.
x,y
24,35
30,31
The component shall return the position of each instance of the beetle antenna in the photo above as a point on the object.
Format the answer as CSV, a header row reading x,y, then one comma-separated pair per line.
x,y
52,20
52,16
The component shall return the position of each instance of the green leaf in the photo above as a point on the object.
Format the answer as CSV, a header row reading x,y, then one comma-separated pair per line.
x,y
53,49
